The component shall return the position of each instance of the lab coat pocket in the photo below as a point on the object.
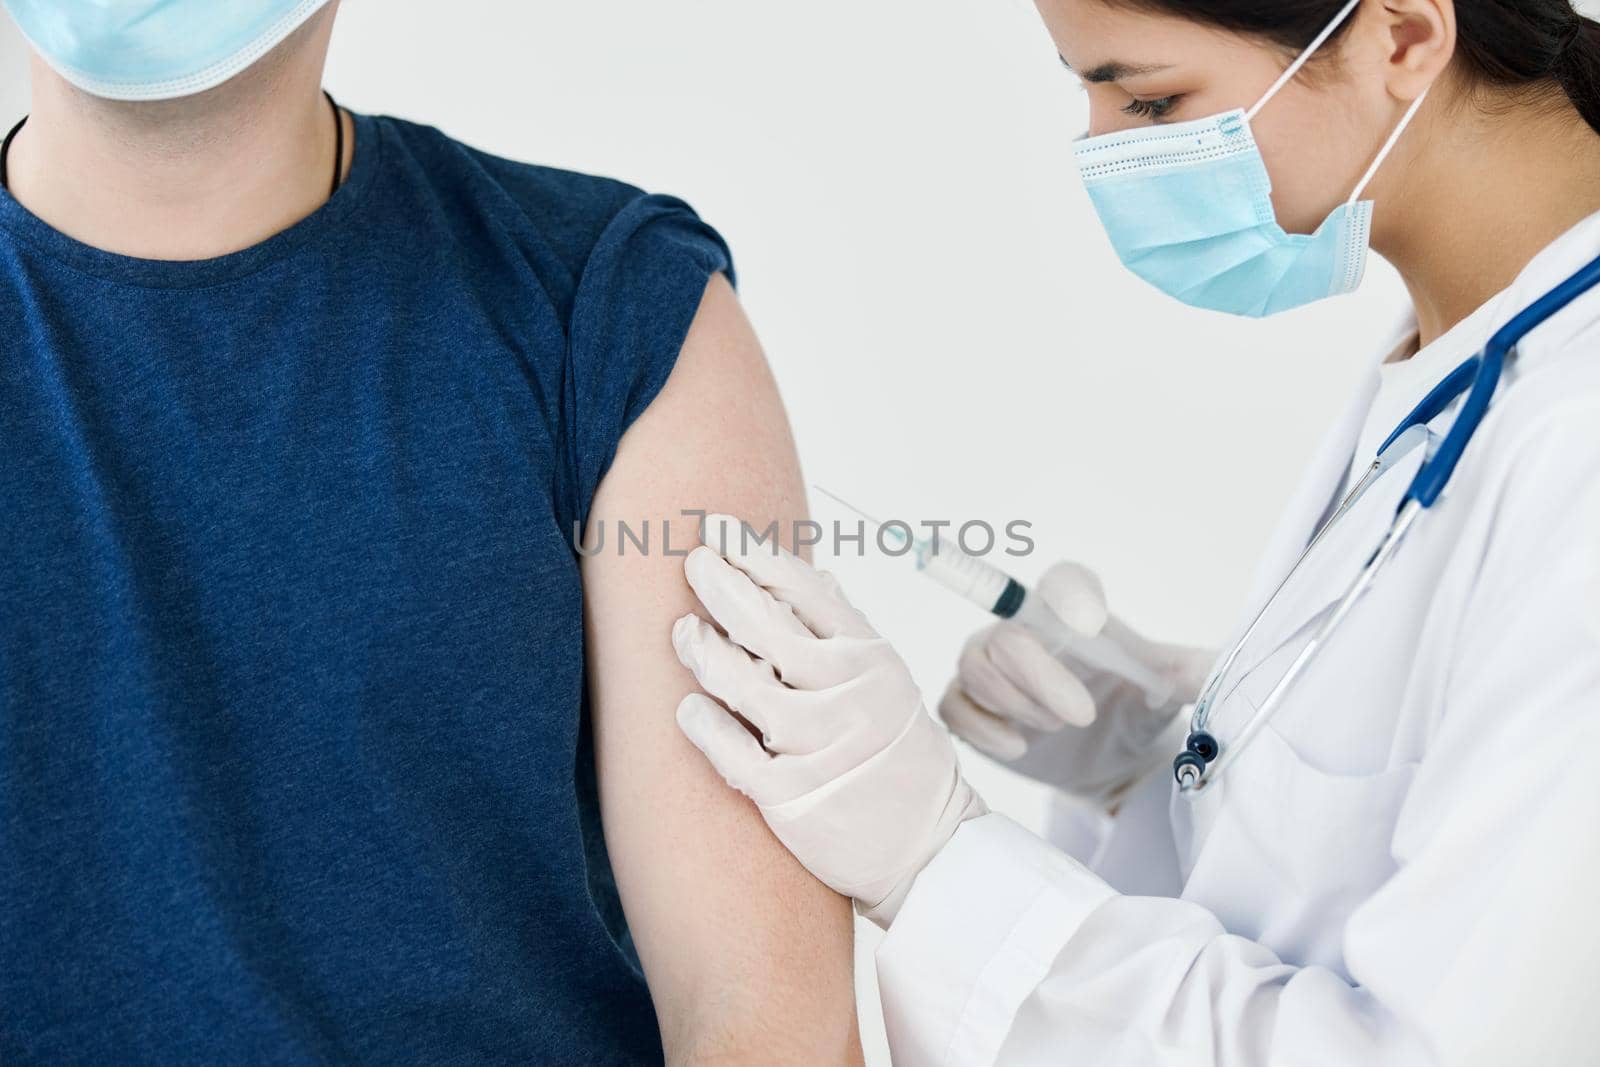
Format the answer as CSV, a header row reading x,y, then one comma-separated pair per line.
x,y
1312,844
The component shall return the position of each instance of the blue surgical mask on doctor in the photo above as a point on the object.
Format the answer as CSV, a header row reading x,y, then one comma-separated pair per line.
x,y
155,49
1188,208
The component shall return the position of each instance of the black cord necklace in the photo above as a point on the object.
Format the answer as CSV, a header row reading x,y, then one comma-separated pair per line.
x,y
338,147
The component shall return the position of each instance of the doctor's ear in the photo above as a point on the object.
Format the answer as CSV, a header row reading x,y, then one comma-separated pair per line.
x,y
1414,40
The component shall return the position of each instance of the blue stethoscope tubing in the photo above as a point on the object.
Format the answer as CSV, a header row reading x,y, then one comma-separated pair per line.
x,y
1204,757
1483,374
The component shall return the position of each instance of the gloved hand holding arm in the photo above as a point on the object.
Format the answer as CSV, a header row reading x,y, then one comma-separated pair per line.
x,y
1007,951
850,771
1052,717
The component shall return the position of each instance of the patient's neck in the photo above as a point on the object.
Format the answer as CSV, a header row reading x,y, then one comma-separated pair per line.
x,y
181,179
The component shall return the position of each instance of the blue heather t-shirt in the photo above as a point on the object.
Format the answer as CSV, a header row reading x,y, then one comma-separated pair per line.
x,y
294,756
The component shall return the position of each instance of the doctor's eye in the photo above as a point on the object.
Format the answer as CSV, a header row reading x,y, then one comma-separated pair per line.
x,y
1155,109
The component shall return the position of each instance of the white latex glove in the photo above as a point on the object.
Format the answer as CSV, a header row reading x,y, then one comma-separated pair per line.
x,y
1088,732
850,771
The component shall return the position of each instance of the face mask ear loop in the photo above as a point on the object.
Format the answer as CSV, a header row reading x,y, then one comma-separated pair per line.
x,y
1302,58
1388,146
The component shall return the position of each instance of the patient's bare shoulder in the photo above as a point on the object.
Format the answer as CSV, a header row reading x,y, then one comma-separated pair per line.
x,y
726,922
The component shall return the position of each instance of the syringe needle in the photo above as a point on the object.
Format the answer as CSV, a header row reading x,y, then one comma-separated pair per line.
x,y
996,592
836,497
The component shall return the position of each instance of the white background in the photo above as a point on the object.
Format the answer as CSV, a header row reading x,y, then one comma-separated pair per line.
x,y
952,334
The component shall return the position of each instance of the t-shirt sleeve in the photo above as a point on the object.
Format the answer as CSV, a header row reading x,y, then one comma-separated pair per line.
x,y
636,298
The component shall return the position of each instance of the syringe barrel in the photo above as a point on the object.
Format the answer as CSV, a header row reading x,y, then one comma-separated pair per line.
x,y
967,576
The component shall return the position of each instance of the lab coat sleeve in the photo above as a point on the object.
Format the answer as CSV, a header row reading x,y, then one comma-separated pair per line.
x,y
1483,947
1008,952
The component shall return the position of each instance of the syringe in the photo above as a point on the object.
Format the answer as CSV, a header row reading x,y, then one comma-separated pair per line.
x,y
1003,596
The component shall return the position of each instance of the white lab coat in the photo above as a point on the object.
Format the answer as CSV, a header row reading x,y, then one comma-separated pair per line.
x,y
1402,867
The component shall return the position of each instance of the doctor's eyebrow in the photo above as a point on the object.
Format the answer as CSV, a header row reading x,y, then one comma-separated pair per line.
x,y
1115,71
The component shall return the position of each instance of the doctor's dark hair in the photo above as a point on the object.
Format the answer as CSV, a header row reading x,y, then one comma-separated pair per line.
x,y
1505,44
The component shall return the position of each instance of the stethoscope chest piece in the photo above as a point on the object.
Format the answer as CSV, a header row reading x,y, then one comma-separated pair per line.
x,y
1189,766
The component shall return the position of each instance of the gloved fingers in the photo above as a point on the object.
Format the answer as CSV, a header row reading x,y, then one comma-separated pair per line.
x,y
987,684
1075,595
1184,668
793,722
732,675
736,755
749,614
984,732
1041,677
814,595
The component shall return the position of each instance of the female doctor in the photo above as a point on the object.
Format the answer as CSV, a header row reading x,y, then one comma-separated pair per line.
x,y
1395,863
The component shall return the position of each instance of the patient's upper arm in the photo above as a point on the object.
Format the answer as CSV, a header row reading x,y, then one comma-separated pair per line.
x,y
747,956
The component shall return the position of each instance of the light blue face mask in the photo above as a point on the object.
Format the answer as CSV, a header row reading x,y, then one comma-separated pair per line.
x,y
1188,208
155,49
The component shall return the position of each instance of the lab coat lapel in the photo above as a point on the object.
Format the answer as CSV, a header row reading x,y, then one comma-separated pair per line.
x,y
1305,599
1314,498
1323,578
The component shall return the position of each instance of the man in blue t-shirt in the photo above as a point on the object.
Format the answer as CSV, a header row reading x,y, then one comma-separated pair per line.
x,y
323,736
